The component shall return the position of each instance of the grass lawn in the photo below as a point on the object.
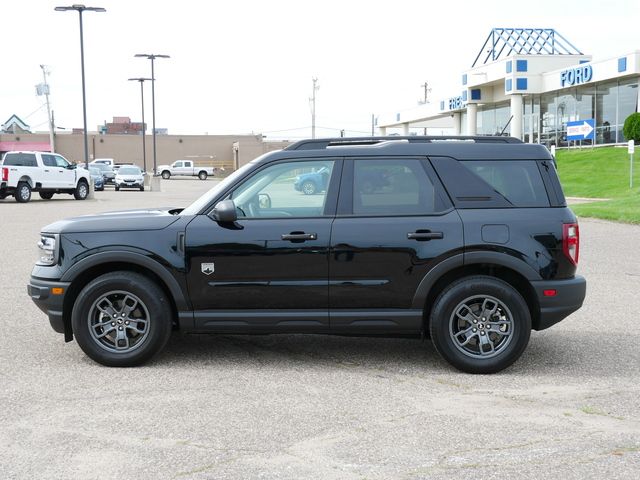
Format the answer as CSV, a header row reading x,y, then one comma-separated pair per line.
x,y
601,173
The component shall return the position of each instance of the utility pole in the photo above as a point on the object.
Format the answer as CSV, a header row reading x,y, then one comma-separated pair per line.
x,y
427,90
316,87
43,89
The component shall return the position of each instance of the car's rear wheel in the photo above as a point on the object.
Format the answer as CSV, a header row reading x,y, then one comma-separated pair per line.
x,y
480,324
23,192
309,188
166,175
122,319
202,175
46,195
82,190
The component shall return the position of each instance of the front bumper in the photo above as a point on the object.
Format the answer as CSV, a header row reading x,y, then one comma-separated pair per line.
x,y
42,295
569,296
130,184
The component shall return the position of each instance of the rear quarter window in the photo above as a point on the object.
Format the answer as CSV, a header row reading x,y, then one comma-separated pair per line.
x,y
20,160
519,182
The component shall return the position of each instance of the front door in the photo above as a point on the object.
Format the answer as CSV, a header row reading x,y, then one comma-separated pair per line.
x,y
269,269
394,224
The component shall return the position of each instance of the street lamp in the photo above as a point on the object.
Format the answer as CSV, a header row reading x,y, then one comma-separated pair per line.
x,y
144,128
152,57
80,9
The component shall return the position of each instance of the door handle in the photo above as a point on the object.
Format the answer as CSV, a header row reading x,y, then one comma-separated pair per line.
x,y
299,236
425,235
46,170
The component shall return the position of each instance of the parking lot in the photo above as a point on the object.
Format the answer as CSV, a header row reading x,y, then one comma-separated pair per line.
x,y
295,406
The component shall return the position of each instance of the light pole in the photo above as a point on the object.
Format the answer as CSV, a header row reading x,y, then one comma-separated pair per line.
x,y
80,9
152,57
316,87
144,127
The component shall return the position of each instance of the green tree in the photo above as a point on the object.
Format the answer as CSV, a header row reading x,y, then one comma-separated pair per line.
x,y
631,127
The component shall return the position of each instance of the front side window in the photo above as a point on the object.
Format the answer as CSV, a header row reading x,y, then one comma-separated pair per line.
x,y
61,162
288,189
178,165
393,187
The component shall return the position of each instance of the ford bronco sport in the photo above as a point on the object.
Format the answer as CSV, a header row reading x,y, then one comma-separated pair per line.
x,y
468,241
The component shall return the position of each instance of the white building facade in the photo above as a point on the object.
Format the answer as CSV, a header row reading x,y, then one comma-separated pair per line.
x,y
532,84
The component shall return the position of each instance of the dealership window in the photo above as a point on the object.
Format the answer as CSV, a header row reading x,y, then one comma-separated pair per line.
x,y
548,118
566,112
627,103
606,107
491,120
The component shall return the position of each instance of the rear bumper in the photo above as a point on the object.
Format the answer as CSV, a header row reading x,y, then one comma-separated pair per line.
x,y
41,294
569,296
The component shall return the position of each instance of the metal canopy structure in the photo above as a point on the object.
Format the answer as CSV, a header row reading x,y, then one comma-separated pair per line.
x,y
503,42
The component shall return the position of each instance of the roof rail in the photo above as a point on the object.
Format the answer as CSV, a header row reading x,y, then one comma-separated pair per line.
x,y
323,143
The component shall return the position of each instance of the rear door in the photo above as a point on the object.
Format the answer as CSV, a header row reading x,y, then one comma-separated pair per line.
x,y
394,223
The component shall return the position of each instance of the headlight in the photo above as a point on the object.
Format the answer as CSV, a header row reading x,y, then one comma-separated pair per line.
x,y
47,250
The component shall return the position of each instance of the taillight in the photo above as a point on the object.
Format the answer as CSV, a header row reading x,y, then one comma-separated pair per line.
x,y
5,174
571,241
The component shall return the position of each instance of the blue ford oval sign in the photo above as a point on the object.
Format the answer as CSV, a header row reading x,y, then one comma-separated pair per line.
x,y
576,76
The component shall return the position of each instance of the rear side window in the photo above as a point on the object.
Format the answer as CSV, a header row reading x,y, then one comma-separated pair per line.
x,y
20,160
492,183
393,187
519,182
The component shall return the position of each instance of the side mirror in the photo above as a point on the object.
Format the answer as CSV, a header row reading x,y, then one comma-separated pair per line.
x,y
264,200
225,212
72,166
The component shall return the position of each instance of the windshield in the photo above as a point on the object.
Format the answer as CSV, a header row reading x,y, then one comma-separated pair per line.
x,y
103,167
207,197
129,171
95,171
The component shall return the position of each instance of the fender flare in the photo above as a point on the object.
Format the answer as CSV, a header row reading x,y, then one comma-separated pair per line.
x,y
137,259
467,259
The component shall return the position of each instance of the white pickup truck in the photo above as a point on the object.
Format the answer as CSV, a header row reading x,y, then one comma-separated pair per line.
x,y
185,167
42,172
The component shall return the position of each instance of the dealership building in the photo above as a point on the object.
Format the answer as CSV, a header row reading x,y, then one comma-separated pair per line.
x,y
533,84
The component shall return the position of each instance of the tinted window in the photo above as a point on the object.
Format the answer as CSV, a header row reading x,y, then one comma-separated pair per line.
x,y
290,189
393,187
519,182
49,160
20,160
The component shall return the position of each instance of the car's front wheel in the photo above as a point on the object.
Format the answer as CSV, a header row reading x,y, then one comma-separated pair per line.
x,y
82,190
122,319
480,324
166,175
309,188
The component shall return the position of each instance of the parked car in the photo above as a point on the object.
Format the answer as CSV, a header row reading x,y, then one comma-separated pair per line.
x,y
42,172
108,175
470,243
130,176
185,167
96,176
312,182
105,161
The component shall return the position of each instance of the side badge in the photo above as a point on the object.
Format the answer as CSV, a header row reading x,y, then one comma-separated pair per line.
x,y
207,268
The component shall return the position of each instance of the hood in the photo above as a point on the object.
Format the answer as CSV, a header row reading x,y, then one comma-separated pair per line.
x,y
152,219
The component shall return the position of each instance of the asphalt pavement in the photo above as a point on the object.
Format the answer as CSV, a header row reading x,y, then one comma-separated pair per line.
x,y
318,407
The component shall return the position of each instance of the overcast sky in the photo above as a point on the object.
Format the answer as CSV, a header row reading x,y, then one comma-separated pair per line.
x,y
245,66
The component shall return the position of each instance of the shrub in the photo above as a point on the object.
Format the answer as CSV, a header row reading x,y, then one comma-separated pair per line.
x,y
631,127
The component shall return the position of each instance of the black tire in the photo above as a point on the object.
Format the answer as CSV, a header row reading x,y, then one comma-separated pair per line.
x,y
82,190
309,187
46,195
166,174
142,189
480,324
202,175
23,192
117,188
140,328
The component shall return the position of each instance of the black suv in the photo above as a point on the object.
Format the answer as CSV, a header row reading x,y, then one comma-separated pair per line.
x,y
467,240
